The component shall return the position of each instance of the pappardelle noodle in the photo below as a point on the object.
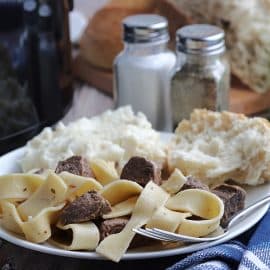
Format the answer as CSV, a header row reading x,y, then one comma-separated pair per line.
x,y
30,205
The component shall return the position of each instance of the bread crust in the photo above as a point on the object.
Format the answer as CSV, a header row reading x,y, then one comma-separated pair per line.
x,y
102,39
145,5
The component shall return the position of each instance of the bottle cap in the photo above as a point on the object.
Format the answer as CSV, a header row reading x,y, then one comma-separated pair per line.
x,y
45,17
200,39
30,11
145,28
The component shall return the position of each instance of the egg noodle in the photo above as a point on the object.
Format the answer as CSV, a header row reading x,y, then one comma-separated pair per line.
x,y
30,205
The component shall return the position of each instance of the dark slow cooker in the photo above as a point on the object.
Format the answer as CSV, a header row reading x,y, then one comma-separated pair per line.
x,y
35,69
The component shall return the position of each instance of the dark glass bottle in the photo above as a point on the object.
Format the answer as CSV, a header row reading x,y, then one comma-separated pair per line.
x,y
30,47
61,10
50,94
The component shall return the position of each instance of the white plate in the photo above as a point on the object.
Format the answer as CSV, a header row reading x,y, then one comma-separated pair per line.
x,y
9,163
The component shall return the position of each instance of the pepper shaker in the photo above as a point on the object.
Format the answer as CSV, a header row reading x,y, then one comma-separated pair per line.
x,y
142,70
202,75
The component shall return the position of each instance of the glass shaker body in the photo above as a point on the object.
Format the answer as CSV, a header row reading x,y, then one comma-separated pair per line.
x,y
141,78
200,80
200,83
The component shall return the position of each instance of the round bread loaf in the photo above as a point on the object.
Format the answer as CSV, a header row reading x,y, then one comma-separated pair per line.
x,y
146,5
246,24
102,39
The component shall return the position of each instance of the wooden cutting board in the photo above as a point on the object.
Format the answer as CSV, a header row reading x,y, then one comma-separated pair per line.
x,y
242,99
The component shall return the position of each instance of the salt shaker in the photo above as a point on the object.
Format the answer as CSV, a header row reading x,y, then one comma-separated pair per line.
x,y
202,74
142,70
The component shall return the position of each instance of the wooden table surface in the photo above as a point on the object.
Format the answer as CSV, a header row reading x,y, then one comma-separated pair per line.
x,y
16,258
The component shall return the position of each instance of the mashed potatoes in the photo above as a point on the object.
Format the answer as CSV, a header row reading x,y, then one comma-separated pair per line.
x,y
114,136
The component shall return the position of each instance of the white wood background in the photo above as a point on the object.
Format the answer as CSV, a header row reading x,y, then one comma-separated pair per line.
x,y
87,100
88,7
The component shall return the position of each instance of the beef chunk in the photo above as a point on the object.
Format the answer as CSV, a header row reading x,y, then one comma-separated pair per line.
x,y
233,198
87,207
142,171
111,226
76,165
194,183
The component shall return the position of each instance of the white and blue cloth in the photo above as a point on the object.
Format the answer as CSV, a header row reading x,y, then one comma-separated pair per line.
x,y
255,255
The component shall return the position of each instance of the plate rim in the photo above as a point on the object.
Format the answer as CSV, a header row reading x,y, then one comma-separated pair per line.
x,y
129,255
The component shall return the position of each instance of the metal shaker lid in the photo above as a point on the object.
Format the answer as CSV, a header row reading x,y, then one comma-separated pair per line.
x,y
200,39
145,28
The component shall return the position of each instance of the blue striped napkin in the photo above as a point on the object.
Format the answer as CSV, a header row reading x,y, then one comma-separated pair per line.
x,y
235,254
